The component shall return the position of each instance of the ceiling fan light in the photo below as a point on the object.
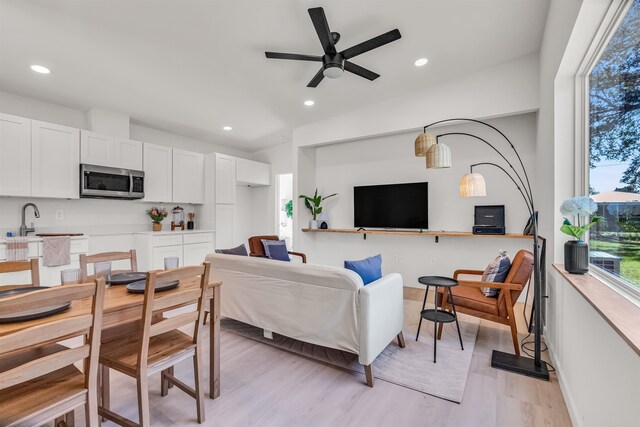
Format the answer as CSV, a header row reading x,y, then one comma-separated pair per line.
x,y
438,156
472,185
333,71
423,142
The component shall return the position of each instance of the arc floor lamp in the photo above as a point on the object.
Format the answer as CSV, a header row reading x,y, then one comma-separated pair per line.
x,y
472,184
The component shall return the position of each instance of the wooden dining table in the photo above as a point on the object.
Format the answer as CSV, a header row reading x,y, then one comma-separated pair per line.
x,y
122,308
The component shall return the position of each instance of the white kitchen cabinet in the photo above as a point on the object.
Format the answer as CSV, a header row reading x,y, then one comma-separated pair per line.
x,y
162,252
106,150
225,181
195,253
225,225
188,177
158,173
55,160
97,148
128,154
252,173
15,156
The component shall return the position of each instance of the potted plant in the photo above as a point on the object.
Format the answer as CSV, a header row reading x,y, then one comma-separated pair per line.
x,y
157,215
313,204
576,252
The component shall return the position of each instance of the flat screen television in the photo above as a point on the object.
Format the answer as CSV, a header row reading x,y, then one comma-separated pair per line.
x,y
391,206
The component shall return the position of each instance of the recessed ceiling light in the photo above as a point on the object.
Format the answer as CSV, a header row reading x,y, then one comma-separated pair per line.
x,y
227,127
40,69
420,62
309,102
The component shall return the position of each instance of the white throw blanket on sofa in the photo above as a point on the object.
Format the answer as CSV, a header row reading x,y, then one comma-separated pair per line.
x,y
326,306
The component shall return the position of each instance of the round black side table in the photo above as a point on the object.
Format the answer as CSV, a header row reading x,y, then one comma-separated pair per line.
x,y
438,315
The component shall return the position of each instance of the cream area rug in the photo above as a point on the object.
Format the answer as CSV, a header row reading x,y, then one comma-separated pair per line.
x,y
410,367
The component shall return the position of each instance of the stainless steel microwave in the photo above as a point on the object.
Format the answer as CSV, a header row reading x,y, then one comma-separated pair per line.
x,y
114,183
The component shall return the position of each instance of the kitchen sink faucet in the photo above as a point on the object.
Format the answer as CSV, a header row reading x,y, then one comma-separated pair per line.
x,y
23,227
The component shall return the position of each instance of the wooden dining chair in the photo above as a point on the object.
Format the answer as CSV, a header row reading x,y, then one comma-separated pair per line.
x,y
38,379
160,345
16,266
108,257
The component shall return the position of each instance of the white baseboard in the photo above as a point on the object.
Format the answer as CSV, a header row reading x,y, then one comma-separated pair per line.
x,y
571,408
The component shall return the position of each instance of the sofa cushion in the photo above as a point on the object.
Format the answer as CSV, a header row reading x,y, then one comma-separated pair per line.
x,y
370,269
496,271
276,249
238,250
471,297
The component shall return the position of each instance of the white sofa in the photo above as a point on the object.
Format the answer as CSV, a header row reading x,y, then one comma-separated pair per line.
x,y
321,305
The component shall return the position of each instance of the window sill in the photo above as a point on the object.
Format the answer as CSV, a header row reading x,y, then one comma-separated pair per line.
x,y
619,312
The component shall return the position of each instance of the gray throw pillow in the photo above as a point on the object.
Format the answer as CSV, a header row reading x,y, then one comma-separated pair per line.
x,y
238,250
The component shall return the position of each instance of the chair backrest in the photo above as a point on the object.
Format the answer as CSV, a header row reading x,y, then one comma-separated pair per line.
x,y
107,257
87,321
15,266
157,303
255,245
519,273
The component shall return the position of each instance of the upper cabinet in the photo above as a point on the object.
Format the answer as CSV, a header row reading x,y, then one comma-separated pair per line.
x,y
188,177
106,150
15,156
158,173
55,160
225,179
252,173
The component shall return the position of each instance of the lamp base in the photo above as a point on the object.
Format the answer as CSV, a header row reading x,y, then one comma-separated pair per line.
x,y
519,365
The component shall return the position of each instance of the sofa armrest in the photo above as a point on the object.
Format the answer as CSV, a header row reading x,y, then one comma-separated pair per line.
x,y
469,272
381,315
501,285
301,255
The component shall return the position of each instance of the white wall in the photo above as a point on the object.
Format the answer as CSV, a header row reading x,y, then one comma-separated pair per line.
x,y
94,215
390,159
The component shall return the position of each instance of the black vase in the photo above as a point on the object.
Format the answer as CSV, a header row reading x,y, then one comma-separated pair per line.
x,y
576,257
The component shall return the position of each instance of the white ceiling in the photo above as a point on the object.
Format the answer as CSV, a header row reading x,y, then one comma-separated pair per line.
x,y
191,67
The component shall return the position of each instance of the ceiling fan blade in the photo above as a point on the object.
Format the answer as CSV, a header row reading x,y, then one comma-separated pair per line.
x,y
322,28
315,81
360,71
370,44
294,56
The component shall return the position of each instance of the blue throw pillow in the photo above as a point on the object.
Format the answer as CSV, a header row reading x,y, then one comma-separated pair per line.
x,y
496,271
238,250
276,249
370,269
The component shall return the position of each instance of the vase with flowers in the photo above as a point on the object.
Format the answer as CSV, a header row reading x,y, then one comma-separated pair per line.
x,y
157,215
576,252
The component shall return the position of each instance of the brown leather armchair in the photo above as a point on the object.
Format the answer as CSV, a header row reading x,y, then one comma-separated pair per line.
x,y
469,299
257,249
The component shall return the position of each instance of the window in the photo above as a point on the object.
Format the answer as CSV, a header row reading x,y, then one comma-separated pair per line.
x,y
614,153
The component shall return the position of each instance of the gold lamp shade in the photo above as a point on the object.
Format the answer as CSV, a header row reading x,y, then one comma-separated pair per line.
x,y
472,185
439,156
424,141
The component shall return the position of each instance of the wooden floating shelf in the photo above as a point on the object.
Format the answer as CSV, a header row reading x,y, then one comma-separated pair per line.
x,y
431,233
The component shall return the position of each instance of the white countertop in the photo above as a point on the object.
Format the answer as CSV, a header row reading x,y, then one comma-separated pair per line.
x,y
39,239
165,232
107,230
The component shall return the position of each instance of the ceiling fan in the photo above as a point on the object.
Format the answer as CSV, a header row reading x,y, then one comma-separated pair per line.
x,y
334,63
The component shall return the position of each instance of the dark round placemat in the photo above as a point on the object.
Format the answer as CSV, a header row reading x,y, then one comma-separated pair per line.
x,y
139,286
126,278
32,314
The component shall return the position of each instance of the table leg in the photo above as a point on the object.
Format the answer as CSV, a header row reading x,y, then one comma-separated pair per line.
x,y
435,327
424,303
214,340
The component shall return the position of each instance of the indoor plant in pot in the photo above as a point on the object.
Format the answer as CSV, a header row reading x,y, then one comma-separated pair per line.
x,y
313,204
157,215
576,252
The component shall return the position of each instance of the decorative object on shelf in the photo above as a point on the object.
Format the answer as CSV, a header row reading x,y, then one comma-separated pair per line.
x,y
190,223
441,157
177,220
157,215
576,252
323,221
313,204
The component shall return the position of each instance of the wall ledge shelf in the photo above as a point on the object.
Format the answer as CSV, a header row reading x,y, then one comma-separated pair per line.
x,y
432,233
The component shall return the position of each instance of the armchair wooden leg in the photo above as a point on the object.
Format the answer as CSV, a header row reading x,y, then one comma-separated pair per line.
x,y
368,372
444,307
401,343
512,324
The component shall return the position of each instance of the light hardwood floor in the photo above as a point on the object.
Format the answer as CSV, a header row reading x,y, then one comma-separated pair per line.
x,y
264,386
